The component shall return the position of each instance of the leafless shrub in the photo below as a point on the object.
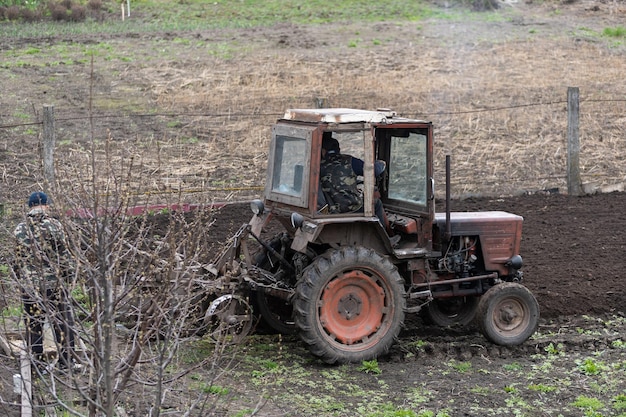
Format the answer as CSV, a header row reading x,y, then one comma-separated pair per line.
x,y
77,13
140,294
66,3
29,15
94,5
12,13
58,12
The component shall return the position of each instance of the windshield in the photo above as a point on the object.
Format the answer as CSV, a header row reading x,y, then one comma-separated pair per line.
x,y
408,178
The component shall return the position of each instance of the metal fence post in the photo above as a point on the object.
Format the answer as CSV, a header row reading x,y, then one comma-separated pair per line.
x,y
574,184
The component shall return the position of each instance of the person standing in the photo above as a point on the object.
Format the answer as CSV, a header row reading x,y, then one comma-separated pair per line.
x,y
44,264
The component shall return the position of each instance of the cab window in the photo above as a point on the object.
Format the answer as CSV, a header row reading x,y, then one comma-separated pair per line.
x,y
408,177
289,166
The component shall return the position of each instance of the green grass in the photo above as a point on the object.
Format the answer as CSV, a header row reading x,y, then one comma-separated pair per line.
x,y
293,378
267,12
24,3
588,403
512,366
370,367
63,53
214,389
619,402
616,32
164,15
590,366
554,350
618,344
461,367
542,388
12,311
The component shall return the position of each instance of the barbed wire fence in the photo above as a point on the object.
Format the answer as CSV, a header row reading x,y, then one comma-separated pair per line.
x,y
222,155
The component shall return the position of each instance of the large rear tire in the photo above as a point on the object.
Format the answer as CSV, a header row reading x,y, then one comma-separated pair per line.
x,y
508,314
276,313
349,305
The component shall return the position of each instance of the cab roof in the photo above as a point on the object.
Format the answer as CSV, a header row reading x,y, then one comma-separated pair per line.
x,y
344,115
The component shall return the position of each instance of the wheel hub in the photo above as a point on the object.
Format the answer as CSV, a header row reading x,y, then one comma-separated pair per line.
x,y
509,315
352,307
349,306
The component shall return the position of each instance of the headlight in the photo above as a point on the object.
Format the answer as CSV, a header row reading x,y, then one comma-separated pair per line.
x,y
257,207
296,220
515,262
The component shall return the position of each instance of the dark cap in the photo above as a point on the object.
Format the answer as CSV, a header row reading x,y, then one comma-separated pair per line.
x,y
37,198
329,143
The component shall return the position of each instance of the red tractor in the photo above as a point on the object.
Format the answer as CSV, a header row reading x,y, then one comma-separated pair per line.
x,y
344,281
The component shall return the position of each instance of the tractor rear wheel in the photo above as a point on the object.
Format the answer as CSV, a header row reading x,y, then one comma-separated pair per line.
x,y
448,312
508,314
276,312
349,305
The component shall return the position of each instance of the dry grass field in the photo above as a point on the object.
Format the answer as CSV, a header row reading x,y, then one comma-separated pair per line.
x,y
192,110
185,116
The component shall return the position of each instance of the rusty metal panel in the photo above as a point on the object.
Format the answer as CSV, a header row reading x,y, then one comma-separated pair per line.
x,y
500,234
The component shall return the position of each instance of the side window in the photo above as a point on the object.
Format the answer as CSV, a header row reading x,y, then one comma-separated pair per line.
x,y
289,165
408,179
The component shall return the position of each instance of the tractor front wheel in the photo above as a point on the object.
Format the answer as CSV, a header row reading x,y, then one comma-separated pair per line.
x,y
349,305
508,314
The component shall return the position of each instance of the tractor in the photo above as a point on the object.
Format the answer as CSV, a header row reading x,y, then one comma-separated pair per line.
x,y
344,281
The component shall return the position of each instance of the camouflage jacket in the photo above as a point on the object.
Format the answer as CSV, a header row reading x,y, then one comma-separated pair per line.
x,y
41,250
339,184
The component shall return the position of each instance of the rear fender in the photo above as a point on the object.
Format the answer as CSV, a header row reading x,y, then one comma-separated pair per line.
x,y
351,231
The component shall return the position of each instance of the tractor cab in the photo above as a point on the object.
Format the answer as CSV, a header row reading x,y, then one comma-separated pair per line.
x,y
405,187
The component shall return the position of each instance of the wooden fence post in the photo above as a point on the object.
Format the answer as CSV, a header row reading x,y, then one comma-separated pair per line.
x,y
321,102
49,140
26,392
574,184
